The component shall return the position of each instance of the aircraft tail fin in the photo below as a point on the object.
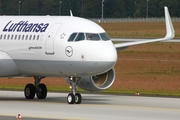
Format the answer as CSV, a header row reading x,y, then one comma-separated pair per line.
x,y
71,13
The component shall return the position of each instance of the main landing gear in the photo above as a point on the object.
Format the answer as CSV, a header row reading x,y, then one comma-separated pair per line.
x,y
74,97
39,89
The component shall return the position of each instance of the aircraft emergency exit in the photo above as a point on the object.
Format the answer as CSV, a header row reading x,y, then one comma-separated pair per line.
x,y
61,46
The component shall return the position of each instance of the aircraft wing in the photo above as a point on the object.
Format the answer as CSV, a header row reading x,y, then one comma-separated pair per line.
x,y
170,33
139,39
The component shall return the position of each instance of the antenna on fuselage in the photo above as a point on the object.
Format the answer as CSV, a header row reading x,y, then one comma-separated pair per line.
x,y
71,13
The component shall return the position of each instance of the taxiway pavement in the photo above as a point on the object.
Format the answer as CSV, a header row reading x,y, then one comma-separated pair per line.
x,y
93,107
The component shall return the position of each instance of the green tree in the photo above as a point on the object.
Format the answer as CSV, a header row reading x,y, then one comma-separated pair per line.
x,y
91,8
30,7
173,5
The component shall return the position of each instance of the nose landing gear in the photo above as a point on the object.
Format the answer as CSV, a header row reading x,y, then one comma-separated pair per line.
x,y
74,97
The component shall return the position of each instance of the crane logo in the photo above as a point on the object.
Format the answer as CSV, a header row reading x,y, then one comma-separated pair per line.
x,y
69,51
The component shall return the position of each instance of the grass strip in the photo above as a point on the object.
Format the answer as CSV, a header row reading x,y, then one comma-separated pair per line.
x,y
108,91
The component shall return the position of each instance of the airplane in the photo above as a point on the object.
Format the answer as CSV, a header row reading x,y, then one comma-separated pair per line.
x,y
61,46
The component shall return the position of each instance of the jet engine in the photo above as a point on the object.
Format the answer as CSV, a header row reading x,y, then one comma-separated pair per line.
x,y
98,82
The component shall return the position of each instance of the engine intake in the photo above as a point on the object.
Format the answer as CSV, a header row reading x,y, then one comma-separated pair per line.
x,y
98,82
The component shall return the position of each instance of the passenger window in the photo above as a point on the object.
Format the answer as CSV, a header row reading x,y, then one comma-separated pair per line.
x,y
38,37
8,37
1,37
11,37
92,36
15,37
80,37
34,37
4,37
23,37
19,37
104,36
26,37
30,37
71,38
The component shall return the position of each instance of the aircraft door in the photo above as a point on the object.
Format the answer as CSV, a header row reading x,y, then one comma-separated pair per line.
x,y
49,49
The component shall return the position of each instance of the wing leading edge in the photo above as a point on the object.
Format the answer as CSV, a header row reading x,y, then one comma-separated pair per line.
x,y
170,33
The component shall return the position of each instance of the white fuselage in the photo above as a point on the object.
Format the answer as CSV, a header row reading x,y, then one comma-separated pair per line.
x,y
39,46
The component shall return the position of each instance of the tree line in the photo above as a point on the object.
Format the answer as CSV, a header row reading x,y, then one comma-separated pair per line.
x,y
91,8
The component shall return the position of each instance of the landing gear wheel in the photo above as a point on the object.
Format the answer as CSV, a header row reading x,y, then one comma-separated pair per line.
x,y
78,98
29,91
41,93
71,98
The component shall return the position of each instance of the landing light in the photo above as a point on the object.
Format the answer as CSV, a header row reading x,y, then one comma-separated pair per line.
x,y
71,78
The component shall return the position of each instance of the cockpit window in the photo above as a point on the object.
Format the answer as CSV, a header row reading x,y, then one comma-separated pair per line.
x,y
104,36
92,36
80,37
88,36
71,38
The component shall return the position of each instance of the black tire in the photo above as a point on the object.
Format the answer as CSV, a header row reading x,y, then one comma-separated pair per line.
x,y
29,91
71,98
78,98
42,92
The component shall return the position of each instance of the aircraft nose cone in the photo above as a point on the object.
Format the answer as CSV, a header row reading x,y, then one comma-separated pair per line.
x,y
107,57
98,59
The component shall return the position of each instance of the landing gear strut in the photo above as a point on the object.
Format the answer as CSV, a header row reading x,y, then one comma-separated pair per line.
x,y
39,89
74,97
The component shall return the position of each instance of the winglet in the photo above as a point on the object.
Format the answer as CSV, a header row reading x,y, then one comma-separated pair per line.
x,y
170,33
71,13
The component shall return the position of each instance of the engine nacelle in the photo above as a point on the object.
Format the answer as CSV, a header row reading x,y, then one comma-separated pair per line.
x,y
98,82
